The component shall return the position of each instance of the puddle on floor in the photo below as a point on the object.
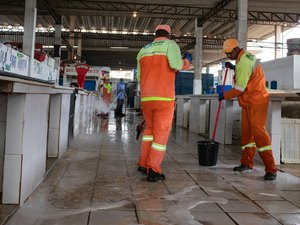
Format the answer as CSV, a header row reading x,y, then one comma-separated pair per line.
x,y
39,209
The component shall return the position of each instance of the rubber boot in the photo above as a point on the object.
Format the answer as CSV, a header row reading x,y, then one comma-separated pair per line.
x,y
154,177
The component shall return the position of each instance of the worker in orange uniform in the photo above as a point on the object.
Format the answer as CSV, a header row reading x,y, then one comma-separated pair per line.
x,y
253,97
157,64
106,91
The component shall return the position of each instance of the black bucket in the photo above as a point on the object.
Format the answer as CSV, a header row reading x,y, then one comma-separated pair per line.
x,y
208,153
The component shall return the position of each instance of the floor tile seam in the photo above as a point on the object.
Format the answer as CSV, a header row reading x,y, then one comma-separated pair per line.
x,y
134,203
294,204
95,178
281,201
265,212
195,181
130,184
228,214
234,188
10,215
54,187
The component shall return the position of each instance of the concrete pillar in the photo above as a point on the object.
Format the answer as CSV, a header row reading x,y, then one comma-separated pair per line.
x,y
177,28
207,69
71,37
79,48
29,32
242,31
57,40
278,39
57,48
198,59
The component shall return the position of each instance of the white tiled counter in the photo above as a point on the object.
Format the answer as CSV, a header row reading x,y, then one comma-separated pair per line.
x,y
182,110
199,113
225,123
24,124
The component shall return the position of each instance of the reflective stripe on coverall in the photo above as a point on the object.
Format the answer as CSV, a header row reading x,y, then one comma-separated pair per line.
x,y
254,99
157,64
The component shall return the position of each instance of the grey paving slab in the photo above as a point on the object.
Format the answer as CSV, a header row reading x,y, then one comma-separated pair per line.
x,y
288,218
253,218
151,218
262,195
278,207
227,194
215,185
77,219
292,196
205,177
241,206
207,207
152,204
108,217
212,218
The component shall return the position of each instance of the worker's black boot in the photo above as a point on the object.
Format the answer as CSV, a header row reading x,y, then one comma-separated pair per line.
x,y
154,177
241,168
270,176
142,169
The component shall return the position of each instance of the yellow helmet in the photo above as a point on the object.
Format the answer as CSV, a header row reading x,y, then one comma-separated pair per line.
x,y
230,44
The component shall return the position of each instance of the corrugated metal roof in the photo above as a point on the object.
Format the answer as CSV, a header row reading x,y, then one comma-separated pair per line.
x,y
117,17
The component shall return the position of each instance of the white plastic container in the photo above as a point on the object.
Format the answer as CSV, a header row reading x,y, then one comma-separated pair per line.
x,y
290,140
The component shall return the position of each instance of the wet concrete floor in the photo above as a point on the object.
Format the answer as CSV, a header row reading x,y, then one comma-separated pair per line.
x,y
96,183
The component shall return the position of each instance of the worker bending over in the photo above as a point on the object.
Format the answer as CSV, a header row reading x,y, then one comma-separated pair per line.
x,y
253,97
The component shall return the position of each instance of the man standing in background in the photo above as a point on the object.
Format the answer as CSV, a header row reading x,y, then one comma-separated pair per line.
x,y
121,87
157,64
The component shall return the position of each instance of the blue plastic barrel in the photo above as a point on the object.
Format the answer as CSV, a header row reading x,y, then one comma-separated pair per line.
x,y
273,84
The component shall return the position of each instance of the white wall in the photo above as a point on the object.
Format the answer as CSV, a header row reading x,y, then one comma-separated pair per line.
x,y
3,104
285,71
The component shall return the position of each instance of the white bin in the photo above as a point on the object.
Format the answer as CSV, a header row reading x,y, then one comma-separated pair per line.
x,y
290,140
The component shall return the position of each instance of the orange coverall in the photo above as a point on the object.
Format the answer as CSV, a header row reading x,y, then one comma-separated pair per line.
x,y
106,90
250,88
157,64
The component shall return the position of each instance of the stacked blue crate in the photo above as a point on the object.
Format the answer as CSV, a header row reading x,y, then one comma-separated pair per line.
x,y
207,82
184,83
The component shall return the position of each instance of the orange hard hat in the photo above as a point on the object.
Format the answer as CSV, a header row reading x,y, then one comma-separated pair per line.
x,y
229,45
163,27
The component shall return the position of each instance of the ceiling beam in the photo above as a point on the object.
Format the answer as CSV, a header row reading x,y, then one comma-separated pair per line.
x,y
212,12
201,20
52,11
48,37
58,20
111,8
